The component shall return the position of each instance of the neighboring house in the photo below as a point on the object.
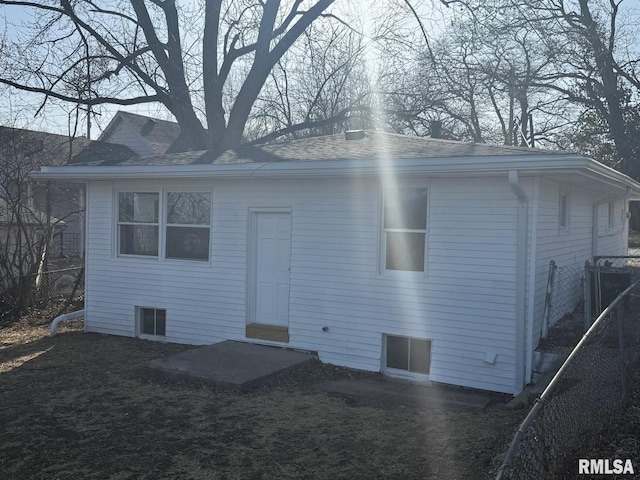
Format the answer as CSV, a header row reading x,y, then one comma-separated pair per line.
x,y
22,151
144,135
417,257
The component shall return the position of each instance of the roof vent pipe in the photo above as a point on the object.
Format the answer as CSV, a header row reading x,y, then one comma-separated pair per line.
x,y
436,129
354,134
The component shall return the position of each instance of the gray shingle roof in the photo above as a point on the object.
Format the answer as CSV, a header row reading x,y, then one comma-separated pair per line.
x,y
374,146
97,151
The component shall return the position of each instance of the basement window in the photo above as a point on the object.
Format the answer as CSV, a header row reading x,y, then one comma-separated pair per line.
x,y
409,354
152,321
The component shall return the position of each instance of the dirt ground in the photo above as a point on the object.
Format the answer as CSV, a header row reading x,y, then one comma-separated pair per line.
x,y
78,406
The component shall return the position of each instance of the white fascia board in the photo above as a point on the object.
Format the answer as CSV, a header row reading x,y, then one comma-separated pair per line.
x,y
473,166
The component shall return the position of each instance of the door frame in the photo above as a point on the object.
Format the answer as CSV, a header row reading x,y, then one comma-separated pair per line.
x,y
252,256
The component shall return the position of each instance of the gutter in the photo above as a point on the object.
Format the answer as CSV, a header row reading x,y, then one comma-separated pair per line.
x,y
594,218
331,167
521,280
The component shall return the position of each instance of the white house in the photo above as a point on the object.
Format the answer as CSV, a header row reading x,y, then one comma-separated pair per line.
x,y
418,257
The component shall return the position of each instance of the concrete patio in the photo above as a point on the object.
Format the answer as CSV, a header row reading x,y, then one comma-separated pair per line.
x,y
229,365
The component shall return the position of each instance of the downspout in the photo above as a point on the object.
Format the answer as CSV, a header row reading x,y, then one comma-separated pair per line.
x,y
594,219
84,197
64,318
521,280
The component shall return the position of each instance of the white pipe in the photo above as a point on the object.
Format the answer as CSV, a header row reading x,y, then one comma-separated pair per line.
x,y
64,318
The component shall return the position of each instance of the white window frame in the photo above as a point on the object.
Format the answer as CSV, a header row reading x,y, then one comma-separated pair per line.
x,y
401,373
166,224
139,325
382,250
611,221
162,224
118,223
564,220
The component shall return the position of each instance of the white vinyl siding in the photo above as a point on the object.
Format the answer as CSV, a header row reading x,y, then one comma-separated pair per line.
x,y
464,304
572,248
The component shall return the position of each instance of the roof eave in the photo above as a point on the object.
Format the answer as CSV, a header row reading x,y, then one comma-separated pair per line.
x,y
530,165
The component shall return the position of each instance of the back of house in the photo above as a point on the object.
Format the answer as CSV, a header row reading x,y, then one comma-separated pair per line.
x,y
421,258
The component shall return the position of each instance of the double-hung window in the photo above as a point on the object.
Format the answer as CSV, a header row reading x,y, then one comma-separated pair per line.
x,y
138,223
404,228
188,220
173,225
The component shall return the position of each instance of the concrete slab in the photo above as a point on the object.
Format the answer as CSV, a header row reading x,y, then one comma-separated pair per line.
x,y
229,365
427,396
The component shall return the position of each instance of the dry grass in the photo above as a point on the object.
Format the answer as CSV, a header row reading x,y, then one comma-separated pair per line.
x,y
78,406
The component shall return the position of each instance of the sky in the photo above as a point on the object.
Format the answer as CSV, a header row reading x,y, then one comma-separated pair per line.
x,y
18,108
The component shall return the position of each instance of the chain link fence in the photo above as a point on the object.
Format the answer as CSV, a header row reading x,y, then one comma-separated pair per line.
x,y
65,283
564,295
605,280
589,390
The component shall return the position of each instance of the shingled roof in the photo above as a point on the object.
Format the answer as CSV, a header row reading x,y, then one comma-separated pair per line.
x,y
373,146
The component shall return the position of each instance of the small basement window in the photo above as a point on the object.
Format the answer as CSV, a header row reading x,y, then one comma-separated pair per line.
x,y
152,321
410,354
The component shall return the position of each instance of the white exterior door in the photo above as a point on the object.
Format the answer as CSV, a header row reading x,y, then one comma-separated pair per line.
x,y
270,272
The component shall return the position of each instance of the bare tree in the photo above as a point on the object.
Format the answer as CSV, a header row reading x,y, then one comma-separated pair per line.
x,y
25,231
477,77
229,71
312,91
592,63
134,52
